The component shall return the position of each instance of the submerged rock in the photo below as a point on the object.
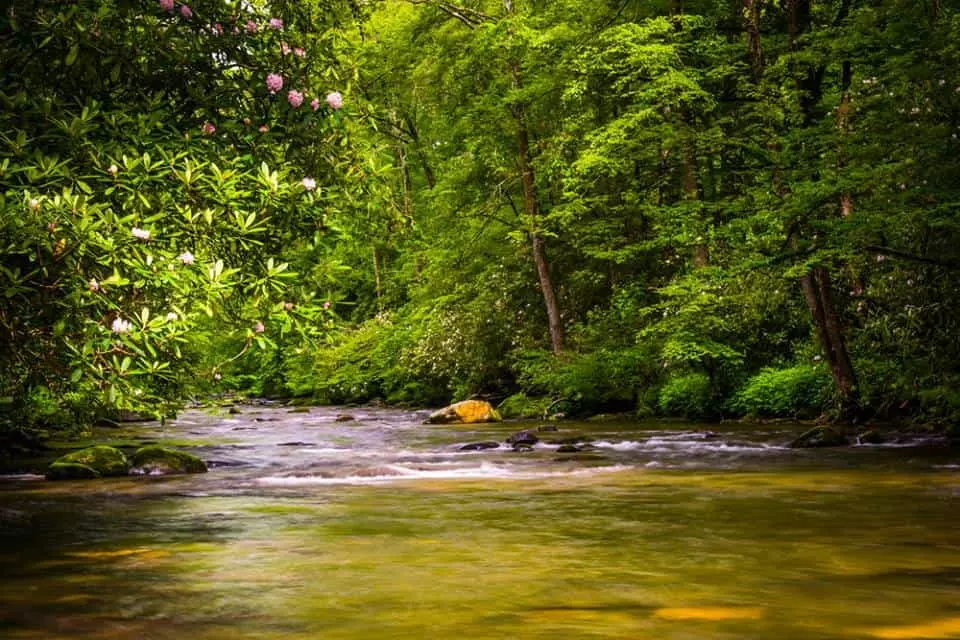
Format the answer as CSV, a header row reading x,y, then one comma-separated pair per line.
x,y
820,437
466,412
156,460
71,471
548,427
344,417
103,460
871,436
300,410
568,448
525,437
480,446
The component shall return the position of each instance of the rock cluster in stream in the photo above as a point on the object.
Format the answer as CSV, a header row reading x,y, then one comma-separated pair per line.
x,y
101,461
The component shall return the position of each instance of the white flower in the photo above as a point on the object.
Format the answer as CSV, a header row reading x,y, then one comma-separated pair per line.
x,y
309,184
113,170
94,285
172,317
186,257
120,326
34,204
141,234
258,328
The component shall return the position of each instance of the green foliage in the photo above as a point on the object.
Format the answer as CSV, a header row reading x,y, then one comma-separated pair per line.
x,y
800,390
151,196
690,396
520,405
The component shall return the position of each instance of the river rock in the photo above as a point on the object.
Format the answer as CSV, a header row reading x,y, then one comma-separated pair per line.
x,y
161,461
103,460
870,436
480,446
466,412
522,447
344,417
820,437
525,437
568,448
71,471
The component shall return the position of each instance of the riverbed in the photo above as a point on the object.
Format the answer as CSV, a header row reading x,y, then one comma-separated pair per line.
x,y
382,527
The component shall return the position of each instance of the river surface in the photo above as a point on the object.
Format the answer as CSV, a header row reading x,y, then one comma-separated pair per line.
x,y
381,527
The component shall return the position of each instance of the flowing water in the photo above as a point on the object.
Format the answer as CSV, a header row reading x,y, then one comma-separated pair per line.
x,y
383,528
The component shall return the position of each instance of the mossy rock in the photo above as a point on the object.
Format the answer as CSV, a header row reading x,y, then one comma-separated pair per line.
x,y
466,412
106,461
820,437
156,460
71,471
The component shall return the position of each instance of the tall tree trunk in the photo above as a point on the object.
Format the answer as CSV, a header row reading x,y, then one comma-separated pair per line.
x,y
531,208
816,283
376,278
753,36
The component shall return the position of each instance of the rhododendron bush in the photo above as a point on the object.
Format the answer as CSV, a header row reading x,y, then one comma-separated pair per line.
x,y
154,180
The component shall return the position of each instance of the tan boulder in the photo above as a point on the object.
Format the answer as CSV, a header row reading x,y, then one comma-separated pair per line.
x,y
466,412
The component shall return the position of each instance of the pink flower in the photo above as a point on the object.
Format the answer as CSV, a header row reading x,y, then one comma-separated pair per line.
x,y
284,48
140,234
167,5
299,52
335,100
236,31
315,104
186,257
251,26
309,184
258,328
287,306
326,305
276,23
209,129
52,227
217,29
186,11
295,98
264,128
274,82
120,325
93,284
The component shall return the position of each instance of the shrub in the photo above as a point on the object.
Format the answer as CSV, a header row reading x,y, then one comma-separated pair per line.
x,y
689,396
784,392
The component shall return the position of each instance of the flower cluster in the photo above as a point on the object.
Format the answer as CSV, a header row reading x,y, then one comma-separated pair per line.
x,y
120,325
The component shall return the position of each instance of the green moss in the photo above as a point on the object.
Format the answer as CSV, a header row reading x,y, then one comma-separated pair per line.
x,y
155,460
106,461
71,471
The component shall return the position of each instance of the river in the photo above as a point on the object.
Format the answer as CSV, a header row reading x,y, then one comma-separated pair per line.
x,y
382,527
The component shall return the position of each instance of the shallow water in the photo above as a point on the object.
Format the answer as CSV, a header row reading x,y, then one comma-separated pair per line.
x,y
382,527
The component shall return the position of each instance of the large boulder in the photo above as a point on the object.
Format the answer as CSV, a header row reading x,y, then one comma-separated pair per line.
x,y
466,412
160,461
102,460
820,437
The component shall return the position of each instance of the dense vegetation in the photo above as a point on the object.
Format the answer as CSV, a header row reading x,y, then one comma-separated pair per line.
x,y
692,208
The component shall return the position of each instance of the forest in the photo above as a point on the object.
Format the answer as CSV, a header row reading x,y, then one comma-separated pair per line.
x,y
698,208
